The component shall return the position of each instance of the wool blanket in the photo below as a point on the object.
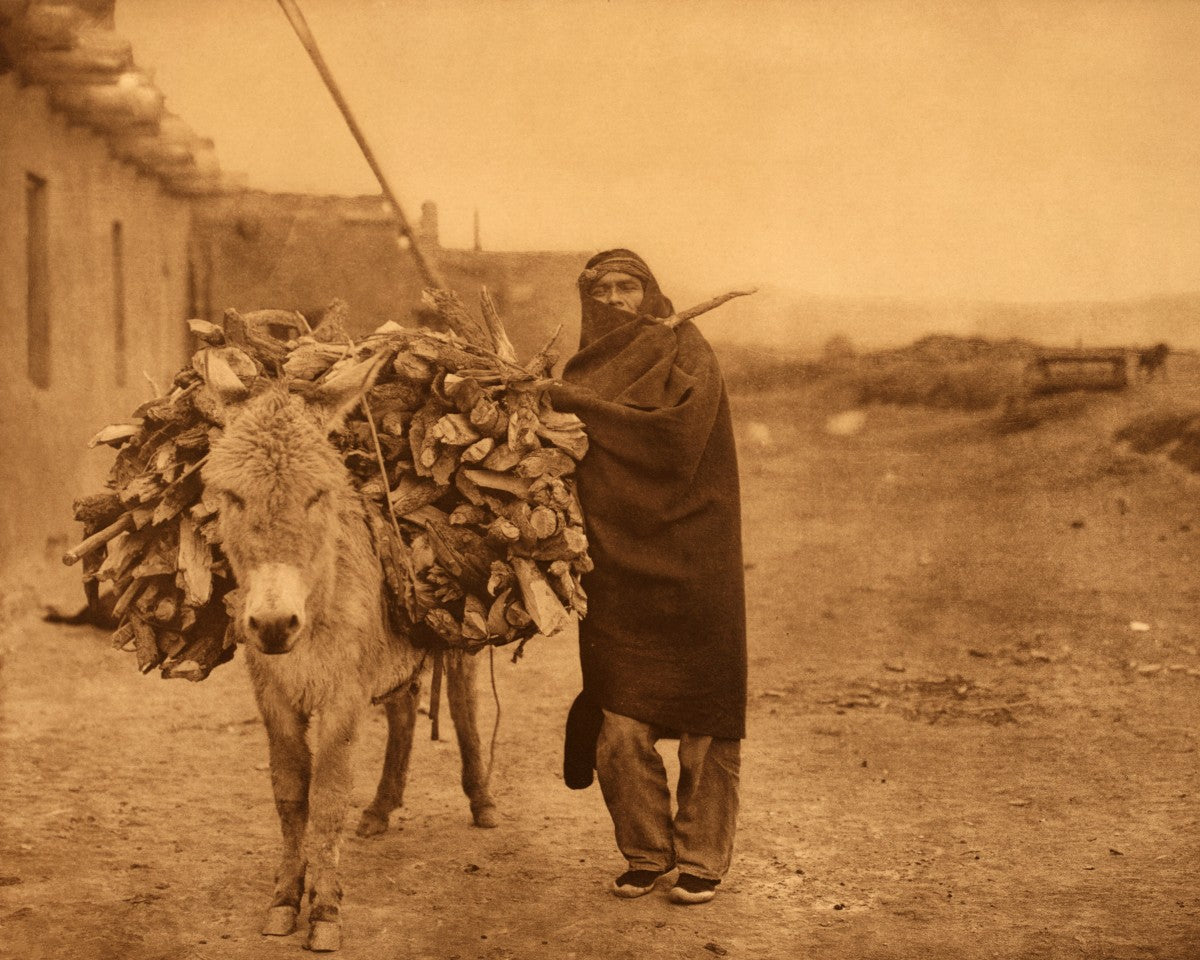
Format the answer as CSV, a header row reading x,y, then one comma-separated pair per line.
x,y
664,640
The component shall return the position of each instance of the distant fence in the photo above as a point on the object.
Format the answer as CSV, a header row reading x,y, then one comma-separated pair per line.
x,y
1056,371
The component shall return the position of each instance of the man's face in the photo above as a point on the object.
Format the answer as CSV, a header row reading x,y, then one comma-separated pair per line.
x,y
618,290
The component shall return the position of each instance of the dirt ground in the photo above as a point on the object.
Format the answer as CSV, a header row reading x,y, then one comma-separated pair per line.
x,y
975,694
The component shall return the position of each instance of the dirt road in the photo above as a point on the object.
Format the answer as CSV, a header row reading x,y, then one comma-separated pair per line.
x,y
959,746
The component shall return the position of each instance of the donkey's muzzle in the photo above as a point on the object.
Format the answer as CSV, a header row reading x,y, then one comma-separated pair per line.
x,y
275,634
273,615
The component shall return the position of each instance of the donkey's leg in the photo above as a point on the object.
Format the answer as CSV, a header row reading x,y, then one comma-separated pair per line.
x,y
290,769
328,800
401,709
460,691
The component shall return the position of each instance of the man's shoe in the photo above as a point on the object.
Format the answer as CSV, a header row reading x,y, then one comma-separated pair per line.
x,y
690,889
635,883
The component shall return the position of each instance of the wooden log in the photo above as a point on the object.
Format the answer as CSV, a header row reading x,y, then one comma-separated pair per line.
x,y
196,438
544,522
502,459
474,622
207,332
97,510
194,563
478,450
123,637
523,423
497,624
494,480
98,540
440,353
491,318
454,315
541,603
570,543
413,368
468,514
551,492
178,496
412,493
115,434
542,362
145,645
141,489
454,429
503,531
545,462
128,595
574,442
217,373
489,418
159,558
208,642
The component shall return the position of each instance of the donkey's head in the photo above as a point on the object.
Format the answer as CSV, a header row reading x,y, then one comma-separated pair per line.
x,y
282,488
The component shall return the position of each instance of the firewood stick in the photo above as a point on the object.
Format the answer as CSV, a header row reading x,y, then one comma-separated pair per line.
x,y
99,539
127,597
491,317
707,305
540,362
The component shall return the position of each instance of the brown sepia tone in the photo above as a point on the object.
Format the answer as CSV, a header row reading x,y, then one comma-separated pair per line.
x,y
967,475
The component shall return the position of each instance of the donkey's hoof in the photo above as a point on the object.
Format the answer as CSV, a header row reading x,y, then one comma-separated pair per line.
x,y
324,936
281,921
486,816
372,824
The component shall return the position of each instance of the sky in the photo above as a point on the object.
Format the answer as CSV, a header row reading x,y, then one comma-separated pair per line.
x,y
1037,150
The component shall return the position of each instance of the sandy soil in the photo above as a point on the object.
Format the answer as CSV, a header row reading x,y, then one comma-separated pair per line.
x,y
958,747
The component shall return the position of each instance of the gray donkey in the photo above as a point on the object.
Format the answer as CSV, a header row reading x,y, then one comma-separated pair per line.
x,y
317,644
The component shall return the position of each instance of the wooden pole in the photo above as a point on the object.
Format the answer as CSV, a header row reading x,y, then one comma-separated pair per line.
x,y
429,273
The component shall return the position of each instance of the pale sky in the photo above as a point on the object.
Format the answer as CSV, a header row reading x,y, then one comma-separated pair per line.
x,y
1010,150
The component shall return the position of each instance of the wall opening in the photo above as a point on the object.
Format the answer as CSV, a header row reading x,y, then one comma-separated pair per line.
x,y
37,260
118,304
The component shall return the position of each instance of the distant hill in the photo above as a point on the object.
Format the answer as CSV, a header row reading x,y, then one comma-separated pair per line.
x,y
780,318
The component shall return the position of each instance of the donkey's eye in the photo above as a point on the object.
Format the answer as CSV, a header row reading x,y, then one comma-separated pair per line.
x,y
315,499
233,500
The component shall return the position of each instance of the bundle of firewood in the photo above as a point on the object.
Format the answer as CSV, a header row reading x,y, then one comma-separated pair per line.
x,y
476,522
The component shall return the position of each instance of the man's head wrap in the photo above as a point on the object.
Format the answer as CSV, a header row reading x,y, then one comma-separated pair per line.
x,y
601,318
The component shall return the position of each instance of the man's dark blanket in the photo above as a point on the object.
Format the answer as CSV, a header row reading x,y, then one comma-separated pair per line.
x,y
664,640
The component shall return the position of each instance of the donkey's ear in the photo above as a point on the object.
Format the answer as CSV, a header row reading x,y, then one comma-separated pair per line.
x,y
224,385
342,392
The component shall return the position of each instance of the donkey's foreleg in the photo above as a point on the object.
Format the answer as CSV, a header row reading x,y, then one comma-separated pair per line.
x,y
460,691
328,800
290,769
401,709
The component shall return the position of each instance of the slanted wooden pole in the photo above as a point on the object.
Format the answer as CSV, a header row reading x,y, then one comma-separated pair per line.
x,y
429,272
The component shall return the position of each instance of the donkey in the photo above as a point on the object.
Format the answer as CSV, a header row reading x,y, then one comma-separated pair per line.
x,y
311,613
1153,360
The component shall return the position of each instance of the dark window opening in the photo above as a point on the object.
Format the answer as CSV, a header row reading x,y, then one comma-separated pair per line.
x,y
37,259
118,291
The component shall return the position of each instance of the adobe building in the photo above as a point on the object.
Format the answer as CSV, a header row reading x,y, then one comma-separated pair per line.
x,y
119,226
97,182
254,250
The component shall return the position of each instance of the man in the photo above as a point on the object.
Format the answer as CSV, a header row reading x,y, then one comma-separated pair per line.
x,y
663,647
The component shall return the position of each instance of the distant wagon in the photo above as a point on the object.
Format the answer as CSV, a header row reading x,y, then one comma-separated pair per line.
x,y
1058,371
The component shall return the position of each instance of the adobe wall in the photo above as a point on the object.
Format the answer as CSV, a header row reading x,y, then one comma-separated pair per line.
x,y
256,250
43,432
